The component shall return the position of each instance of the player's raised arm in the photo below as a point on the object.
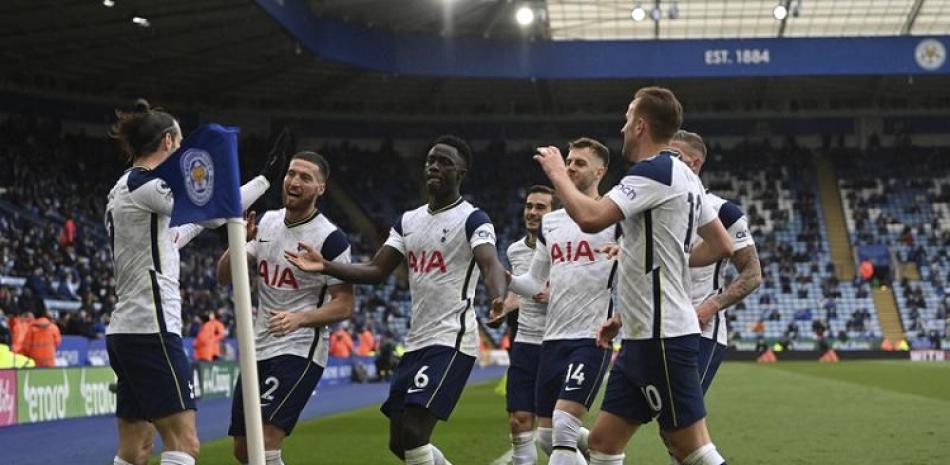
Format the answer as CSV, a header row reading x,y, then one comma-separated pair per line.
x,y
375,271
591,215
224,263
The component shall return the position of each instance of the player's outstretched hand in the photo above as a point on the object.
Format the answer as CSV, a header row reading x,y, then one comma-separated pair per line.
x,y
612,250
608,331
497,310
250,225
283,323
551,161
306,258
277,157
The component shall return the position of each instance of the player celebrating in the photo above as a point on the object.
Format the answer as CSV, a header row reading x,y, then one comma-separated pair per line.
x,y
660,202
441,242
707,294
581,277
295,307
525,352
144,335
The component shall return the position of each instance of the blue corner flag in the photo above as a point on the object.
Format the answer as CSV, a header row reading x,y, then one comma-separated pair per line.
x,y
204,176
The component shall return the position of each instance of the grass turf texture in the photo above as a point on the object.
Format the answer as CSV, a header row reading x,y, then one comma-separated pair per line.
x,y
860,413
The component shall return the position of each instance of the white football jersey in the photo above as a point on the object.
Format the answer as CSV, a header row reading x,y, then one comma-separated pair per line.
x,y
145,251
438,249
531,315
580,279
708,280
663,203
282,287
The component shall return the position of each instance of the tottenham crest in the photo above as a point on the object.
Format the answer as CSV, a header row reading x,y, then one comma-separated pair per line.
x,y
197,169
930,54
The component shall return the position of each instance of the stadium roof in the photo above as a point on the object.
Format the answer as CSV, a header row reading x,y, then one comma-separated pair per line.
x,y
231,54
679,19
717,19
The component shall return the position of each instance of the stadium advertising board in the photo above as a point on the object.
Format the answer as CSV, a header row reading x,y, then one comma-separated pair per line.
x,y
7,397
215,380
59,393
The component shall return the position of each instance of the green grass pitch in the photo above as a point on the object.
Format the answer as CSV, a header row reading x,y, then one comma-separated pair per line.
x,y
850,413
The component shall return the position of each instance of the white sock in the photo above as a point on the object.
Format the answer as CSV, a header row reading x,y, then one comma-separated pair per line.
x,y
582,441
421,455
545,440
567,428
119,461
600,458
438,458
175,457
272,457
524,451
705,455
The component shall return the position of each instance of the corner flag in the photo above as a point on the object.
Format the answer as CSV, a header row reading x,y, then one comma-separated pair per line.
x,y
204,176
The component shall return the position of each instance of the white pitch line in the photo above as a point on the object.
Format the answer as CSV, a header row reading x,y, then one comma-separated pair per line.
x,y
505,459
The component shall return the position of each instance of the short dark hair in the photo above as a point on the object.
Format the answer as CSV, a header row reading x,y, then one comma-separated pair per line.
x,y
539,189
693,140
460,145
316,159
140,128
595,146
659,107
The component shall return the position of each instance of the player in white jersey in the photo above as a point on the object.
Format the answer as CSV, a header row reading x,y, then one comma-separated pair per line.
x,y
442,242
525,353
707,293
660,203
153,388
580,278
296,307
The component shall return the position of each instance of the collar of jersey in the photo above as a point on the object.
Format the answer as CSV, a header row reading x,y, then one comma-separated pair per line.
x,y
315,214
445,208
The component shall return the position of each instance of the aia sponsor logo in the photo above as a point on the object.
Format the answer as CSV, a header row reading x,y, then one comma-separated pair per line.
x,y
426,262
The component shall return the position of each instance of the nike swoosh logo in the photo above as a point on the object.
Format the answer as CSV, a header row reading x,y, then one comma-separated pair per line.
x,y
413,391
265,405
263,241
571,389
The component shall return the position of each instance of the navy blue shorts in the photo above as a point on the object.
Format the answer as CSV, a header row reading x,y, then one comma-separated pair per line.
x,y
286,383
154,375
657,377
432,378
522,374
711,354
570,369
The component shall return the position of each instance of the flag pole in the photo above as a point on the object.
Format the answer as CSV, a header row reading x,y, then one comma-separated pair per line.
x,y
250,387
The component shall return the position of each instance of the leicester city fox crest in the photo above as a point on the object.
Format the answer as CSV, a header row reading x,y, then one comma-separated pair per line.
x,y
197,169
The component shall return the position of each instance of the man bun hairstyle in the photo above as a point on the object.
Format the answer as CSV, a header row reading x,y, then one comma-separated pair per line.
x,y
140,128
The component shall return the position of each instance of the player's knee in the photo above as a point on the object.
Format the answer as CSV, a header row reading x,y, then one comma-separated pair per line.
x,y
520,422
603,443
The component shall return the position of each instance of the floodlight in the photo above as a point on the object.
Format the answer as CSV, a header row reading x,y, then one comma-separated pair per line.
x,y
524,16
